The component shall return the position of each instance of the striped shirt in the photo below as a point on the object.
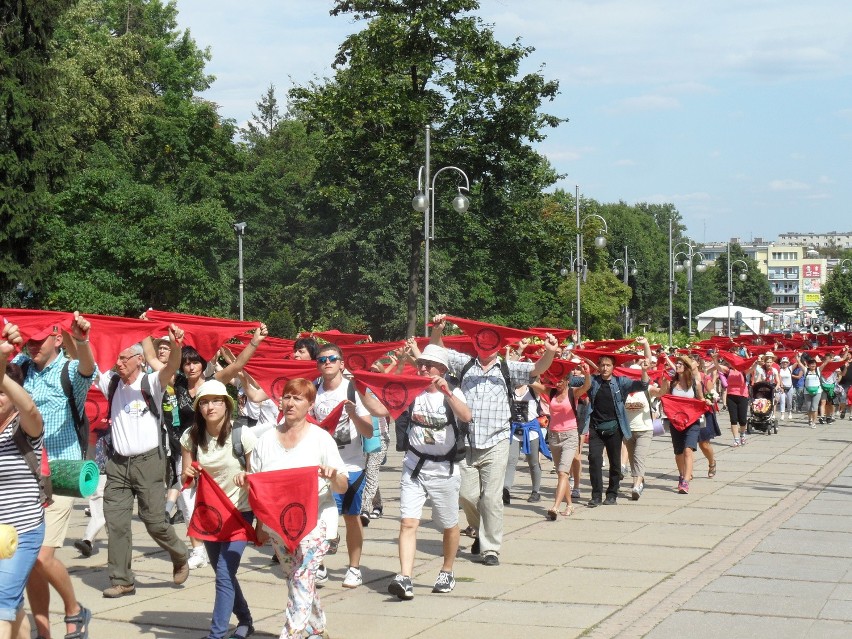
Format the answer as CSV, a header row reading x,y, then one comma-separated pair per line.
x,y
487,396
45,386
19,504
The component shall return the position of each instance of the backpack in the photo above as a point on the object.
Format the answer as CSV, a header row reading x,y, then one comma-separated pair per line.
x,y
402,425
45,485
237,448
81,420
342,437
504,370
152,405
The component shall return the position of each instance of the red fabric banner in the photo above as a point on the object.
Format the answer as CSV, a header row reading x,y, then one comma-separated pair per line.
x,y
561,334
396,392
215,518
682,412
331,421
741,364
31,321
272,374
287,501
620,358
205,334
654,374
358,357
110,335
488,338
607,344
336,337
270,347
829,367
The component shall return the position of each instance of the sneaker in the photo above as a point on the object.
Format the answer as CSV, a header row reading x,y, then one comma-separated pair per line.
x,y
490,560
813,424
782,417
84,546
119,590
180,572
507,498
87,511
822,420
321,576
332,545
609,501
736,443
742,440
534,497
243,630
683,488
636,493
445,582
376,513
575,493
829,419
353,578
625,470
790,416
365,519
401,587
198,558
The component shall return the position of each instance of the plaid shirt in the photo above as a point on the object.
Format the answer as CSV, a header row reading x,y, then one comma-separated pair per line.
x,y
487,396
45,386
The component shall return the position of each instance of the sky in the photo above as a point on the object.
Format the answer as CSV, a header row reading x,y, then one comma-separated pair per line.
x,y
738,112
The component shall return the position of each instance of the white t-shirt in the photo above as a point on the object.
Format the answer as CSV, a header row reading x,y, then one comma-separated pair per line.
x,y
317,448
352,453
638,412
134,429
786,376
220,462
429,433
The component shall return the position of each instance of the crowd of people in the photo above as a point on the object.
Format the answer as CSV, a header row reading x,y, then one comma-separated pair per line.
x,y
177,423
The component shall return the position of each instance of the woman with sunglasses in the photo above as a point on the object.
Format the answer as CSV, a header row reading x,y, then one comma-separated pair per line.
x,y
209,442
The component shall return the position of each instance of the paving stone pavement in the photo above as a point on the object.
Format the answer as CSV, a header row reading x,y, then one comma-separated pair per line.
x,y
762,550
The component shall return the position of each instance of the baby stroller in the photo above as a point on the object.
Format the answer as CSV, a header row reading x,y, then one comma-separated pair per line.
x,y
762,409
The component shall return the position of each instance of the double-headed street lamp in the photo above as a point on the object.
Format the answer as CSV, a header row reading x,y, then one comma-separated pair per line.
x,y
600,242
628,267
743,276
688,264
424,202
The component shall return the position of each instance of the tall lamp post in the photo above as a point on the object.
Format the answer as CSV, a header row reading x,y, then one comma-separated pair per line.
x,y
424,202
743,276
600,242
688,264
626,269
240,229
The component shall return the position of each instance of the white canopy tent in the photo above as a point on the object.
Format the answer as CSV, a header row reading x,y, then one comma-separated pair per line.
x,y
715,320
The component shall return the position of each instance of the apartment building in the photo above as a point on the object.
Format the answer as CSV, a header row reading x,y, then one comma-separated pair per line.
x,y
818,240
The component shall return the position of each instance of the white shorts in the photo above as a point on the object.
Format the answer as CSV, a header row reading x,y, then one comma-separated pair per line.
x,y
442,491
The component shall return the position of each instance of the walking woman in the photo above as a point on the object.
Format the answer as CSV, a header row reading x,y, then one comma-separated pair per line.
x,y
209,442
737,401
684,442
20,506
563,436
296,443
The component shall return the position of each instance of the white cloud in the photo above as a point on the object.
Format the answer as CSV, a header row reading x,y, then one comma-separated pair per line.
x,y
788,185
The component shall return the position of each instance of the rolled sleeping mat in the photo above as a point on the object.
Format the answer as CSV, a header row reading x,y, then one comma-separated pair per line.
x,y
8,541
74,478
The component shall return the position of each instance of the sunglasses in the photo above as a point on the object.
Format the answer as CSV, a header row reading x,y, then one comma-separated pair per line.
x,y
322,359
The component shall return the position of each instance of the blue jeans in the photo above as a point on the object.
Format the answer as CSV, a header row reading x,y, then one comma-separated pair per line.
x,y
225,558
15,571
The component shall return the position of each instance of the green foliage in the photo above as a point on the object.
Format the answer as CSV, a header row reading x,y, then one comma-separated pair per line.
x,y
754,293
837,296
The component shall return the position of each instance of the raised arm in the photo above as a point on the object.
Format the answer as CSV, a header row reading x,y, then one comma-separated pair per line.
x,y
31,420
231,370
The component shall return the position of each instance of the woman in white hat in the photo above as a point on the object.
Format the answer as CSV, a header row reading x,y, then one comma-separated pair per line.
x,y
209,442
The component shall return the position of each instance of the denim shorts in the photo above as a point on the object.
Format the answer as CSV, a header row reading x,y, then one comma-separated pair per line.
x,y
15,571
349,503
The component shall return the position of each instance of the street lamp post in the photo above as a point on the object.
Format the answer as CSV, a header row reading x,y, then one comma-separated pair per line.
x,y
627,269
240,229
688,264
600,242
424,202
742,276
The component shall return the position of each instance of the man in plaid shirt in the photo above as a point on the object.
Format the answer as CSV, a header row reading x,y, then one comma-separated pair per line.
x,y
484,468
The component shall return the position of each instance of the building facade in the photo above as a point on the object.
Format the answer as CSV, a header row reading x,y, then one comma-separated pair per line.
x,y
834,239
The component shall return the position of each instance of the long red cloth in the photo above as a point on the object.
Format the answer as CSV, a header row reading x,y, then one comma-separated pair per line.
x,y
205,334
682,412
396,392
489,338
287,501
215,518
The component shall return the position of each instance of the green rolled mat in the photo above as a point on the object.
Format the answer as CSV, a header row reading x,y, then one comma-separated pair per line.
x,y
74,478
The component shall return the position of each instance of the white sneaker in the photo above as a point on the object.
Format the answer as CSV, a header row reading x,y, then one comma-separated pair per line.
x,y
353,578
782,417
198,558
322,576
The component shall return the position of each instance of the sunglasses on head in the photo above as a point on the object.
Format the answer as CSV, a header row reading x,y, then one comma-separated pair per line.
x,y
322,359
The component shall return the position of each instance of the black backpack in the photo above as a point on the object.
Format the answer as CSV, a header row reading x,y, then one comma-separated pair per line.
x,y
81,420
402,425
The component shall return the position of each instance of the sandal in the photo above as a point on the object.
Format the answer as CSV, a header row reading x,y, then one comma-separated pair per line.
x,y
470,531
711,470
551,514
81,623
568,511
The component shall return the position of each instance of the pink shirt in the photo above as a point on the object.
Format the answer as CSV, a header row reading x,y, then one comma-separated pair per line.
x,y
736,384
562,416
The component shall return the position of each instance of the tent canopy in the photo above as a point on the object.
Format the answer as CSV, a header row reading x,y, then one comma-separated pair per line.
x,y
715,319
